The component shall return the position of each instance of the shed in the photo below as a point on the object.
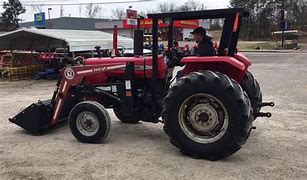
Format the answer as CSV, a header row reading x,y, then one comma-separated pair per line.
x,y
46,39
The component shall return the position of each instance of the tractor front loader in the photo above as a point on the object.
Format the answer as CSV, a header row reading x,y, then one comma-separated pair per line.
x,y
207,110
70,89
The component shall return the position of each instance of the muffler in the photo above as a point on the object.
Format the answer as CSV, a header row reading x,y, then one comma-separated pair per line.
x,y
35,118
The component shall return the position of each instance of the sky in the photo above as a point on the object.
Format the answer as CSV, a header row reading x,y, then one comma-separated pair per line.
x,y
74,11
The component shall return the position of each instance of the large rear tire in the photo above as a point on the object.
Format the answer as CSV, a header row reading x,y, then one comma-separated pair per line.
x,y
89,122
250,85
207,115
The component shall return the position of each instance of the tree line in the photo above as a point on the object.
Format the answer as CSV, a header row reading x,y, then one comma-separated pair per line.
x,y
265,17
9,18
189,5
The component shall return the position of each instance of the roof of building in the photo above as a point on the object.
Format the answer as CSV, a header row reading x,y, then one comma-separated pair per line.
x,y
46,39
201,14
75,23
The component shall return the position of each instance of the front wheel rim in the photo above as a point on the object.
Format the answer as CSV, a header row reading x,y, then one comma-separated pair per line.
x,y
87,123
203,118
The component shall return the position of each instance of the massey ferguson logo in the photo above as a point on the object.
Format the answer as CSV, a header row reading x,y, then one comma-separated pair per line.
x,y
69,73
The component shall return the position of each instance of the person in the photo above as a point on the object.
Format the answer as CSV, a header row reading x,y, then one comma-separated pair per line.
x,y
204,45
176,45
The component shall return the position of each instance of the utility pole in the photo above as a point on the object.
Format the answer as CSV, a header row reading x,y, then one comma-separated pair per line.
x,y
131,27
49,23
282,22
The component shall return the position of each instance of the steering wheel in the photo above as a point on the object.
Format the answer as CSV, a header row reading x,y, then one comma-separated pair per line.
x,y
174,56
79,60
121,50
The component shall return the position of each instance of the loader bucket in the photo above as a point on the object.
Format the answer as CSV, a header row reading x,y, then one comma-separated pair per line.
x,y
35,118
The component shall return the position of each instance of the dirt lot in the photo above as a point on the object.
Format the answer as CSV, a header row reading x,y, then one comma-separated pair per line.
x,y
275,150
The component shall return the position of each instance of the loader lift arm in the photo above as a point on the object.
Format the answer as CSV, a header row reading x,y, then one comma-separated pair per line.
x,y
72,76
41,116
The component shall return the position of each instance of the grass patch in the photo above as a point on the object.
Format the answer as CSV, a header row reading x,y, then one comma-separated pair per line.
x,y
251,45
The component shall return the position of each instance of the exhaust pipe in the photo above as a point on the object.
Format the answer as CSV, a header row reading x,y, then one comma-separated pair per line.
x,y
138,39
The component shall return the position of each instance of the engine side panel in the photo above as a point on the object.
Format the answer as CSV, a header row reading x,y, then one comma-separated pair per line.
x,y
143,68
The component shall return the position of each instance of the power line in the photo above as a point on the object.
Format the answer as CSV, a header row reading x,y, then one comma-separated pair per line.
x,y
74,4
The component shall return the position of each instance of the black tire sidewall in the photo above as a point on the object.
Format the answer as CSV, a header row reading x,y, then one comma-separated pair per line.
x,y
231,138
251,86
132,118
102,119
181,136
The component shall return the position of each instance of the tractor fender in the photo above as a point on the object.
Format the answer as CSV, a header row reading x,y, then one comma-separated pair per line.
x,y
233,67
241,57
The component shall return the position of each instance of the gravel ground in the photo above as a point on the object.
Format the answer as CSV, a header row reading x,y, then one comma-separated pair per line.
x,y
275,150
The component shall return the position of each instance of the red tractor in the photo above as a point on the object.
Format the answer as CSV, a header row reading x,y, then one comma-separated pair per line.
x,y
208,112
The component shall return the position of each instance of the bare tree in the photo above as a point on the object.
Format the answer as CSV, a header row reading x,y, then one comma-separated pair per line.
x,y
37,8
142,13
89,10
97,11
216,24
202,7
92,11
80,10
151,11
100,12
118,13
61,11
191,5
167,7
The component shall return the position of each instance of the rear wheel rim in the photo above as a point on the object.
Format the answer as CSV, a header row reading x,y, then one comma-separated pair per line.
x,y
87,123
203,118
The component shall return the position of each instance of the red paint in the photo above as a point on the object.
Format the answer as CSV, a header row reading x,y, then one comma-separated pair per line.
x,y
46,57
115,32
236,23
139,72
97,71
76,79
147,23
230,66
131,13
241,57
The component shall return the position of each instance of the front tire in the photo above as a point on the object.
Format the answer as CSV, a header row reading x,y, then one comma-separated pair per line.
x,y
207,115
89,122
